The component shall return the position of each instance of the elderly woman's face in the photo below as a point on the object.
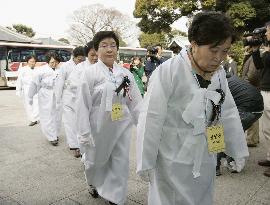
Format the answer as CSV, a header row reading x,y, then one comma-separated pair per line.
x,y
107,51
31,62
92,56
208,57
53,63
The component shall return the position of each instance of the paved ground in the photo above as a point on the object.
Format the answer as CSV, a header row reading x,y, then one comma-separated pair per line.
x,y
34,172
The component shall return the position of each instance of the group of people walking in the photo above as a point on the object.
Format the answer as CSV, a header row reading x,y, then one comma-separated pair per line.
x,y
186,117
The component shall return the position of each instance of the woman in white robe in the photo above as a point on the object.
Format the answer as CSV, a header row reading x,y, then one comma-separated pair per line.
x,y
63,95
72,84
25,75
44,84
184,98
105,119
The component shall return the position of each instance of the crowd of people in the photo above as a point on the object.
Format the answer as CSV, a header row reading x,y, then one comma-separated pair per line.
x,y
195,109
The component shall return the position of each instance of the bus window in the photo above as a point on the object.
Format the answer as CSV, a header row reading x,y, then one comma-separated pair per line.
x,y
14,55
25,53
40,54
65,55
19,55
3,53
126,54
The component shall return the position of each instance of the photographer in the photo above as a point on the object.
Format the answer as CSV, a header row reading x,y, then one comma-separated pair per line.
x,y
252,76
263,64
153,60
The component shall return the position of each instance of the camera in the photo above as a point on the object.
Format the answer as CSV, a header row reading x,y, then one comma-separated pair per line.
x,y
257,37
152,50
152,54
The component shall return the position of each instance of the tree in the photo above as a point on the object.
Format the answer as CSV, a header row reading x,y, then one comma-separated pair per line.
x,y
64,40
88,20
146,39
157,16
151,39
23,29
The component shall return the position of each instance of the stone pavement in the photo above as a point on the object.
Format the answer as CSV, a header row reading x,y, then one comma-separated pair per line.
x,y
32,172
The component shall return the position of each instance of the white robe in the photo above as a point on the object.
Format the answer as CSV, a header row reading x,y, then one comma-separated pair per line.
x,y
59,104
171,143
106,142
22,87
43,83
63,98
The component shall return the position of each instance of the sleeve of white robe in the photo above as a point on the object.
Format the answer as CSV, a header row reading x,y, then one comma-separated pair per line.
x,y
135,104
235,140
152,117
19,83
83,108
60,84
34,85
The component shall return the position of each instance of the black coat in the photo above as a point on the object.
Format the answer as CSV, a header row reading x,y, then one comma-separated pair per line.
x,y
248,100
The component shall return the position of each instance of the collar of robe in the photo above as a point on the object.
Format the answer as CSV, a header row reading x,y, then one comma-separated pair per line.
x,y
207,75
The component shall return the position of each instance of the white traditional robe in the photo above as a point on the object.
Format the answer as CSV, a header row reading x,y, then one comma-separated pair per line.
x,y
171,143
63,97
59,104
106,142
22,87
43,83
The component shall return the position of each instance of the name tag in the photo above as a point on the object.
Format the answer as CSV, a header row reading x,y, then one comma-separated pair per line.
x,y
117,112
215,139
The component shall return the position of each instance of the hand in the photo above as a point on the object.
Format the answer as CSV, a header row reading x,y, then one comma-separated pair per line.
x,y
238,164
267,48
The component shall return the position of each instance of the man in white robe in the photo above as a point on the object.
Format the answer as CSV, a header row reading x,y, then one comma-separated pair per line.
x,y
63,95
22,87
188,94
105,119
44,84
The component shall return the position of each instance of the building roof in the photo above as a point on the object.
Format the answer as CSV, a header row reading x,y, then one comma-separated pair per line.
x,y
181,41
50,41
7,35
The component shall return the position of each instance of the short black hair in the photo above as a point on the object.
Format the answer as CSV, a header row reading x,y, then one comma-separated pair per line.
x,y
30,57
78,51
102,35
52,54
211,28
88,47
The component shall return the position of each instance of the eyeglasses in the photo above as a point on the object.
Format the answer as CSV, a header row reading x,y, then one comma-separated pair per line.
x,y
108,46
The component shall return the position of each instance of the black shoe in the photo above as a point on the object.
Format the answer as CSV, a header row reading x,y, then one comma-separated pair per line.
x,y
54,142
252,145
77,153
111,203
218,172
265,163
93,192
32,123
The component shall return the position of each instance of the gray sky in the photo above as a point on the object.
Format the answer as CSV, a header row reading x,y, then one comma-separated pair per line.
x,y
50,17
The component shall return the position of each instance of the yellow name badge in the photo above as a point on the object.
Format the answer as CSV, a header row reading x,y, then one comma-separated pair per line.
x,y
117,112
215,139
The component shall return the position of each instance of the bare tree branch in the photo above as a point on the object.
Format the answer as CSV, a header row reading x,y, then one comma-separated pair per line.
x,y
88,20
